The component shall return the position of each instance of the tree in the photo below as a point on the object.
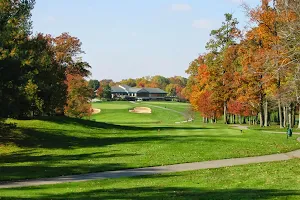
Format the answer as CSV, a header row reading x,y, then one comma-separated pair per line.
x,y
15,27
222,38
290,37
142,82
130,82
158,82
94,84
192,80
107,92
78,99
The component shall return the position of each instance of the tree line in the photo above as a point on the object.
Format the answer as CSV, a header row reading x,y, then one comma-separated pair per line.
x,y
39,74
174,86
251,76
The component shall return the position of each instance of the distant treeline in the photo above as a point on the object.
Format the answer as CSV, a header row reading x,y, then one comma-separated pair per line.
x,y
174,86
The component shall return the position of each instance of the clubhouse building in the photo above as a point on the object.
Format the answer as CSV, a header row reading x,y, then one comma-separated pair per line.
x,y
134,93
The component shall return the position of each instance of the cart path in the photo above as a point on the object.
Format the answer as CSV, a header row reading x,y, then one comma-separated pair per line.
x,y
154,170
243,127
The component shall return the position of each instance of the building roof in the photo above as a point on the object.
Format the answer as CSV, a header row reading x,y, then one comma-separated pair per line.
x,y
155,91
117,89
137,90
126,89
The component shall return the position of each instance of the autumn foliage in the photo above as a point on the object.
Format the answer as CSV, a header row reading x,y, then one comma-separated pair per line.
x,y
251,75
78,91
39,74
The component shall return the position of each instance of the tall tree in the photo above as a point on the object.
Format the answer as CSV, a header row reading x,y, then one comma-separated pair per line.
x,y
222,38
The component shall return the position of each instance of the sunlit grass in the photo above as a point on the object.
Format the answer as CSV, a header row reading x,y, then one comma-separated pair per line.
x,y
276,180
49,147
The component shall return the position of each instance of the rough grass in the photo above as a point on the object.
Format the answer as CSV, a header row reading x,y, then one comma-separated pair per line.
x,y
49,147
277,180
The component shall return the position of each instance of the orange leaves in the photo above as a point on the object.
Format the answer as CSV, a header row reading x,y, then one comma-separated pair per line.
x,y
78,96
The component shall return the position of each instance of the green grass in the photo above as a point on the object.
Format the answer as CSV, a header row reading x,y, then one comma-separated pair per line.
x,y
274,128
178,106
49,147
118,113
276,180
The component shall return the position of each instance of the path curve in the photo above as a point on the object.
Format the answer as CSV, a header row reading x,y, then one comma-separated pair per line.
x,y
155,170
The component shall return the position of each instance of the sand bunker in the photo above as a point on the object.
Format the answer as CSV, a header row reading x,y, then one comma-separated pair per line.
x,y
95,110
141,110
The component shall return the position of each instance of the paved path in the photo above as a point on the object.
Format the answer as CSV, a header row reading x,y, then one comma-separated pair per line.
x,y
242,127
155,170
294,133
237,126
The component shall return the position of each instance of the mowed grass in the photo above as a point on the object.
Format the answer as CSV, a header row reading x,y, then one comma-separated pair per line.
x,y
50,147
118,113
177,106
276,180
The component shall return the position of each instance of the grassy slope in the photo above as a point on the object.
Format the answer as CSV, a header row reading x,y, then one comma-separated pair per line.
x,y
62,146
117,113
277,180
178,106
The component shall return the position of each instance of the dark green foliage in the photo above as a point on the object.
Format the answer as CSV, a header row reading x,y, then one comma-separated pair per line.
x,y
94,84
107,92
32,69
224,36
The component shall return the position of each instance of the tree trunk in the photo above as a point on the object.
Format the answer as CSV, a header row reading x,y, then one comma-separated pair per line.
x,y
225,113
293,115
299,118
280,113
290,115
261,111
266,114
284,116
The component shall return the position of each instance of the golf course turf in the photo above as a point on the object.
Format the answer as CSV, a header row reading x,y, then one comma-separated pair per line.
x,y
117,139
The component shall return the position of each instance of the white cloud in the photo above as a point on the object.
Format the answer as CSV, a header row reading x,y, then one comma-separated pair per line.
x,y
202,24
181,7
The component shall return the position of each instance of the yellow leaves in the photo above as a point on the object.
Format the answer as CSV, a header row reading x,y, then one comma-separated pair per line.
x,y
13,52
31,89
27,62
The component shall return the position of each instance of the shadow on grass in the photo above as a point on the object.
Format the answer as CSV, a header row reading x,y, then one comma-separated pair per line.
x,y
27,164
150,193
48,170
61,139
103,125
27,156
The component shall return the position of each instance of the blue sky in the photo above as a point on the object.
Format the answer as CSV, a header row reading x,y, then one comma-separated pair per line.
x,y
135,38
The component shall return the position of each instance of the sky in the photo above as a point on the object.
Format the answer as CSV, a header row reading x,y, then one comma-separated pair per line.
x,y
134,38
